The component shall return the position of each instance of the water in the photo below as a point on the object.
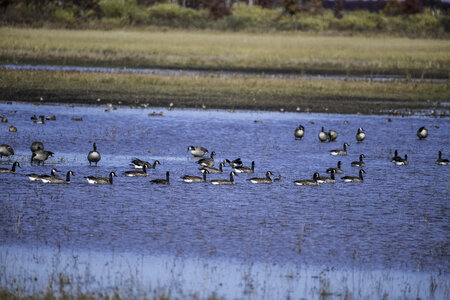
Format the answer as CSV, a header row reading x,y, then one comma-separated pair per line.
x,y
387,234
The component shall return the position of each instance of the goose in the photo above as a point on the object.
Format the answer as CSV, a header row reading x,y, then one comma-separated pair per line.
x,y
142,173
422,133
359,163
245,169
101,180
395,158
340,151
213,170
266,180
189,178
323,136
41,120
6,150
37,177
402,161
324,179
138,164
33,118
332,135
354,178
277,179
299,132
40,156
360,135
207,162
441,161
337,170
197,151
54,179
312,182
12,170
35,146
161,181
224,181
94,156
234,163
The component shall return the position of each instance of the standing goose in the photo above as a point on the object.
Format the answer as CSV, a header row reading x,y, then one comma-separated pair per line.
x,y
223,181
189,178
441,161
40,156
360,135
197,151
402,161
142,173
161,181
422,133
94,156
35,146
323,136
299,132
359,163
37,177
312,182
354,178
101,180
213,170
12,170
207,162
139,164
340,151
332,135
54,179
324,179
337,170
6,150
266,180
245,169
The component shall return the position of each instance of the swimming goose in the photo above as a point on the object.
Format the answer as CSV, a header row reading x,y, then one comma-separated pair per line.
x,y
395,158
6,150
207,162
12,170
266,180
324,179
197,151
312,182
101,180
332,135
37,177
40,156
323,136
213,170
161,181
278,178
359,163
441,161
189,178
54,179
360,135
402,161
142,173
35,146
245,169
340,151
422,133
299,132
337,170
138,164
94,156
234,163
41,120
223,181
354,178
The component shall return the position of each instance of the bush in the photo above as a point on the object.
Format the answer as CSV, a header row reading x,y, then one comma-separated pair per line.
x,y
175,16
64,16
304,21
246,17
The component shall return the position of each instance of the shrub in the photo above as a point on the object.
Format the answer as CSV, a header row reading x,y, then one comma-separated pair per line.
x,y
173,15
245,17
64,16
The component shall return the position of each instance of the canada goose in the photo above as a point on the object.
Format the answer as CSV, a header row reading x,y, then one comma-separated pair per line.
x,y
189,178
51,118
223,181
311,182
197,151
234,163
324,179
278,178
245,169
6,150
54,179
142,173
4,119
138,164
323,136
441,161
40,156
337,170
41,120
37,177
266,180
359,163
101,180
213,170
395,158
94,156
354,178
161,181
33,118
402,161
332,135
299,132
12,170
340,151
360,135
207,162
422,133
35,146
12,128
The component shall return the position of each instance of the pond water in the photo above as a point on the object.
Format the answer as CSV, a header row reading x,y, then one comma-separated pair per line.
x,y
387,236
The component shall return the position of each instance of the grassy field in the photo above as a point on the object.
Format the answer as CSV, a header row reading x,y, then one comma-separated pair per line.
x,y
270,52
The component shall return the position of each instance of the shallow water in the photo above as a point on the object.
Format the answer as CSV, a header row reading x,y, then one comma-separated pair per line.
x,y
395,222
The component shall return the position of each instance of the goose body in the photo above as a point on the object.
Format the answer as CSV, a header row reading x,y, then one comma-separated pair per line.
x,y
94,156
12,170
360,135
101,180
441,161
208,161
161,181
337,170
6,150
332,135
323,136
245,169
139,164
324,179
402,161
237,163
224,181
359,163
41,120
197,151
266,180
299,132
54,179
396,158
340,151
354,178
40,156
35,146
140,173
37,177
213,170
190,179
311,182
422,133
277,179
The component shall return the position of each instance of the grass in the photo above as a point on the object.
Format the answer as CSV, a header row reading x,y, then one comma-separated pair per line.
x,y
270,52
